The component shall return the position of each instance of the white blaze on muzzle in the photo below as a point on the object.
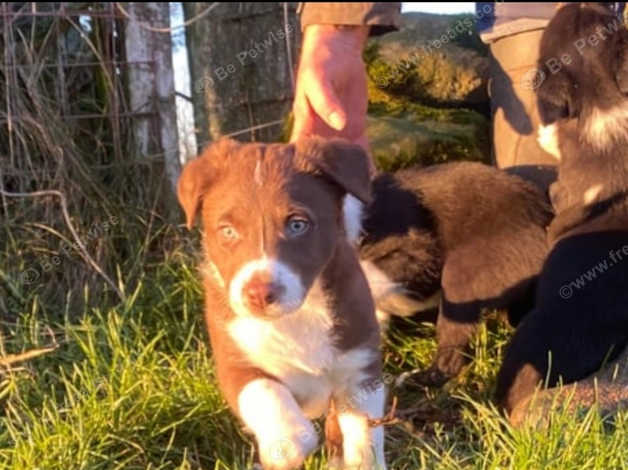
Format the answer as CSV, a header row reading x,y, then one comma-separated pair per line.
x,y
292,292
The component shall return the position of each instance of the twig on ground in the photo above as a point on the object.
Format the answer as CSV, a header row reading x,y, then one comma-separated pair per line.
x,y
388,419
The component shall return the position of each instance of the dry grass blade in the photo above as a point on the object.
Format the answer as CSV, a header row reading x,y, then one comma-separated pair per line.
x,y
10,359
66,125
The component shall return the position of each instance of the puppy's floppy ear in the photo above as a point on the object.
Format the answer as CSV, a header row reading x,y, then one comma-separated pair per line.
x,y
344,163
198,175
621,63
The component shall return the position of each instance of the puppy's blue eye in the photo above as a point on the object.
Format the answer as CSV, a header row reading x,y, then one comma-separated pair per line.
x,y
297,226
228,232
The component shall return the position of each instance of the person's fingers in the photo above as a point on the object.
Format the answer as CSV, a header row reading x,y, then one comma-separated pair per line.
x,y
302,113
299,123
325,103
317,110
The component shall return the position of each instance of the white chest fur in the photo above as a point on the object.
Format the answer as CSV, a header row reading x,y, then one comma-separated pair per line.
x,y
299,349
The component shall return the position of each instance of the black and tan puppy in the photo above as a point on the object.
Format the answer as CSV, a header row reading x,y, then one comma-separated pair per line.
x,y
581,314
461,236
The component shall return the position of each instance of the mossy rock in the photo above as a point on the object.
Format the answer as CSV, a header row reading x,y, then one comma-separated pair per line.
x,y
402,133
400,142
437,60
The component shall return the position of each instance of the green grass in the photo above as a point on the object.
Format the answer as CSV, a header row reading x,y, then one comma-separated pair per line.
x,y
132,386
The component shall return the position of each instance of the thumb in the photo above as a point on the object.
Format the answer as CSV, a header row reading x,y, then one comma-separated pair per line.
x,y
326,104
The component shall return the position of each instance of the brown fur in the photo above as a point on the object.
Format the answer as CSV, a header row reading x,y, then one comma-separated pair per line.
x,y
476,232
255,189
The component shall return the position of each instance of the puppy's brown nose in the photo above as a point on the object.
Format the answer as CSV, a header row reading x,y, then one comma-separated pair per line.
x,y
260,294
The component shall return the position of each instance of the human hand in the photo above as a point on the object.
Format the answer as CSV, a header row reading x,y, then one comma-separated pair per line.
x,y
331,95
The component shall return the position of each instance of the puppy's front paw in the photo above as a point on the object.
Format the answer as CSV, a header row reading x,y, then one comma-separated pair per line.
x,y
288,452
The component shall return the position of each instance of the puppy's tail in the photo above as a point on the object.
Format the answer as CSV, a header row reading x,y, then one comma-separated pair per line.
x,y
398,302
392,298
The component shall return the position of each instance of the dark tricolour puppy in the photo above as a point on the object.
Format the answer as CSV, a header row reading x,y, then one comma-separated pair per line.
x,y
475,231
581,314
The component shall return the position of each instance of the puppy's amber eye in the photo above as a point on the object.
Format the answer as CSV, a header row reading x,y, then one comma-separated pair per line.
x,y
228,232
297,225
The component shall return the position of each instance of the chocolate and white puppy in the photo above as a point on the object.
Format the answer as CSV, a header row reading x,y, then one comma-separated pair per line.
x,y
290,315
581,314
461,236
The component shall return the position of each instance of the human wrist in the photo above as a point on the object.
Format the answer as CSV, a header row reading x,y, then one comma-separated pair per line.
x,y
349,37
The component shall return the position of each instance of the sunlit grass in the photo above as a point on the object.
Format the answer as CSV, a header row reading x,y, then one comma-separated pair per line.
x,y
132,387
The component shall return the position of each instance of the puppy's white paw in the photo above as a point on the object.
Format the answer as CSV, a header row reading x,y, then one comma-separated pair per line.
x,y
288,452
285,436
356,435
335,463
363,446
